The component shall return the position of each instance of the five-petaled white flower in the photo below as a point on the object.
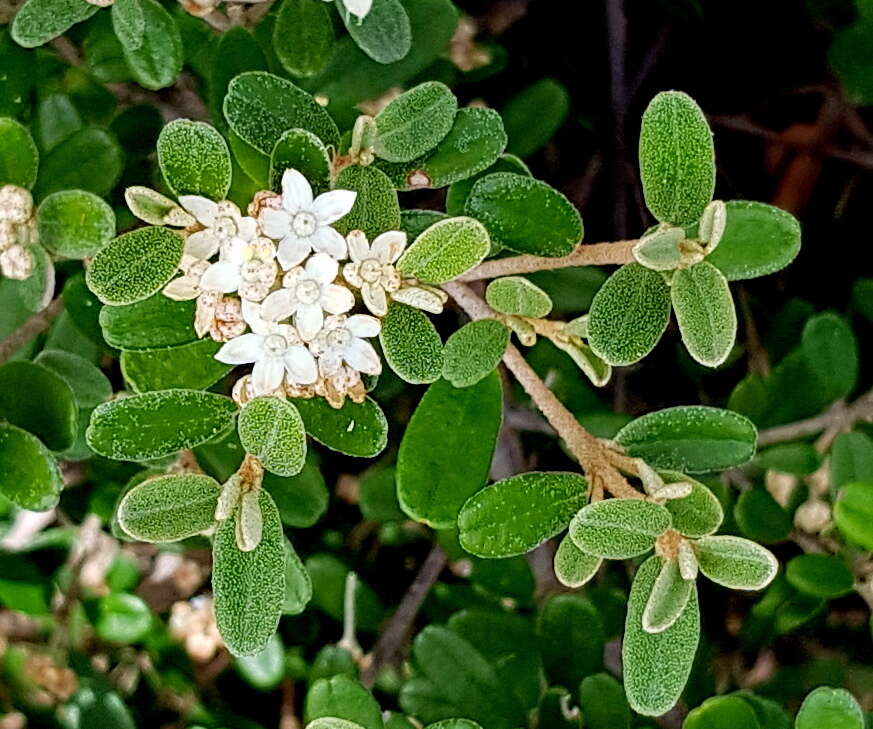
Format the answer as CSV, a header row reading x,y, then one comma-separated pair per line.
x,y
222,222
245,266
275,349
372,267
303,224
309,291
342,339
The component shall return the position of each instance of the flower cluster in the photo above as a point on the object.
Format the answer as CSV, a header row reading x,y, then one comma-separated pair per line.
x,y
278,298
17,231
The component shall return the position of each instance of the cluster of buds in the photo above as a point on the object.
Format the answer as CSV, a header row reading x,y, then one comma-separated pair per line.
x,y
17,232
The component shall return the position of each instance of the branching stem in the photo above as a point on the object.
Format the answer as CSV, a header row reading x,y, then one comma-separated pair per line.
x,y
37,324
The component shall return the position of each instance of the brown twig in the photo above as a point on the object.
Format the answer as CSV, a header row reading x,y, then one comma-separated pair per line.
x,y
839,417
37,324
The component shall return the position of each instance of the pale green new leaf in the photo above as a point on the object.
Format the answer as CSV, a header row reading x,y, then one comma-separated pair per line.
x,y
272,429
669,596
194,159
833,708
697,515
169,508
735,562
619,528
573,567
155,209
705,312
517,296
659,249
445,250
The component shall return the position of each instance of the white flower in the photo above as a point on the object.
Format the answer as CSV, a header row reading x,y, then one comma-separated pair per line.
x,y
187,286
358,8
275,349
16,204
247,266
342,341
309,291
372,267
303,224
222,222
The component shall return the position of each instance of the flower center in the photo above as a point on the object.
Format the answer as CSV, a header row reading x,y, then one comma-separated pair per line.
x,y
338,338
371,270
275,345
225,228
304,224
308,291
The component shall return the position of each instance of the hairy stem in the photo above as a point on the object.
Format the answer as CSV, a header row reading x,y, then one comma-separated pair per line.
x,y
840,416
585,254
37,324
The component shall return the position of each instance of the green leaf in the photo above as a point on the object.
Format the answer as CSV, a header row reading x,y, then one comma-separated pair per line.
x,y
266,669
156,424
573,567
298,584
619,528
831,708
474,351
432,482
303,36
705,312
75,223
691,439
445,250
473,144
697,515
123,618
735,562
853,513
761,518
29,475
356,429
36,291
517,296
272,429
831,353
89,160
628,315
525,215
19,158
342,697
40,401
376,208
415,122
385,34
571,639
456,197
301,499
192,365
135,265
249,587
89,385
260,106
659,248
657,665
758,239
151,41
329,577
820,575
517,514
194,159
153,322
677,159
534,114
799,459
669,596
603,703
169,508
411,345
301,150
331,722
153,208
851,459
722,712
39,21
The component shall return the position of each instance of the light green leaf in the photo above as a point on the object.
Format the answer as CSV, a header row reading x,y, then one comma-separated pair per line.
x,y
516,515
266,669
194,159
657,665
272,430
758,239
249,587
303,36
19,158
831,353
697,515
89,160
298,584
851,459
89,385
39,21
628,315
669,596
594,368
432,482
677,159
155,209
29,474
301,150
411,345
525,215
659,248
573,567
156,424
474,351
705,312
151,41
722,712
376,208
153,322
191,365
169,508
833,708
445,250
135,265
415,122
619,528
75,223
517,296
603,703
735,562
820,575
331,722
691,439
356,429
33,397
853,513
384,34
342,697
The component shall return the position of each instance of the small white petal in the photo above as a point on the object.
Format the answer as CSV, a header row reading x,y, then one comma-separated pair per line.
x,y
361,356
322,268
388,246
251,313
278,305
362,325
235,251
301,366
228,499
375,299
267,375
292,250
201,245
329,363
183,288
333,205
248,228
359,248
337,299
309,320
222,276
201,208
329,241
358,8
241,350
275,223
296,192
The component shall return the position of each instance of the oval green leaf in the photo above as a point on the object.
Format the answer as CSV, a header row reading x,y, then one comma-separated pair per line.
x,y
474,351
194,159
272,430
75,223
356,429
376,207
619,528
735,562
411,345
29,475
444,251
19,157
36,399
517,296
415,122
303,37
